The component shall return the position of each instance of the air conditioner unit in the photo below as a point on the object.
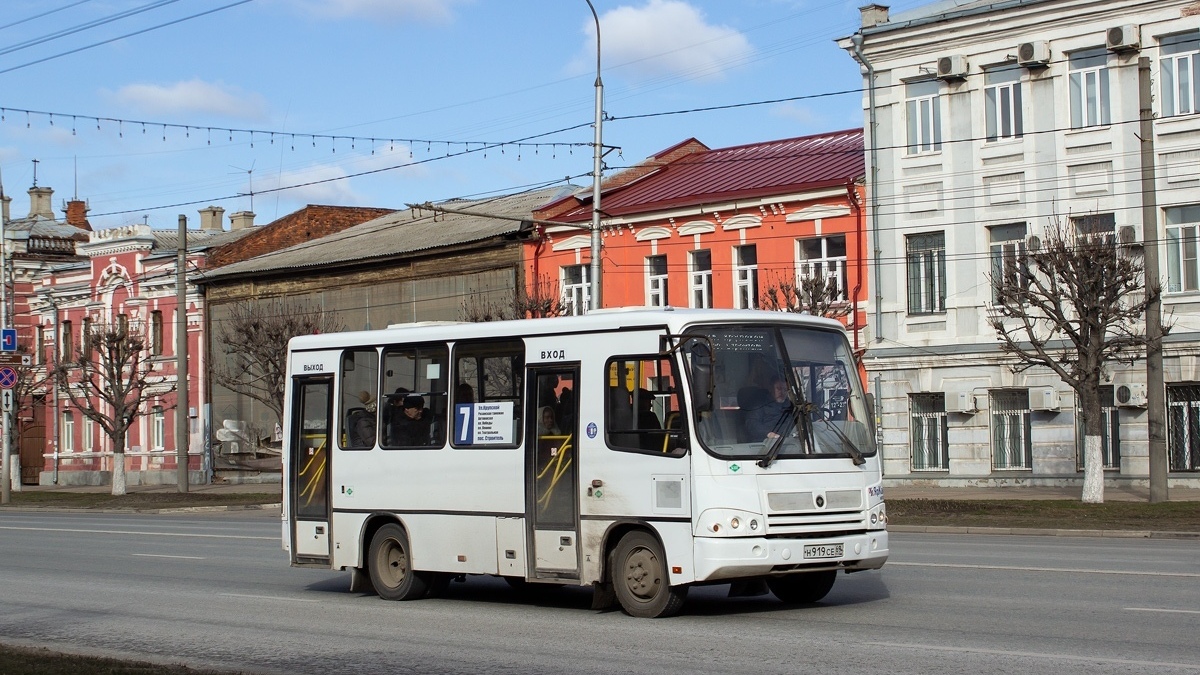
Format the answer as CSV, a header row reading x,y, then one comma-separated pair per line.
x,y
1033,243
1127,236
953,67
1125,38
1129,394
1034,54
963,402
1043,398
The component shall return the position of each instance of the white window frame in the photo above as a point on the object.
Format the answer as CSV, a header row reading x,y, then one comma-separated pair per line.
x,y
89,435
68,431
158,428
1012,445
1088,84
745,276
923,116
926,269
829,267
1180,55
929,428
1002,102
700,289
1183,232
576,295
1007,253
1110,432
656,281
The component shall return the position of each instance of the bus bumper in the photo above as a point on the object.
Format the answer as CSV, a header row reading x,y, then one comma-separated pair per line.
x,y
737,558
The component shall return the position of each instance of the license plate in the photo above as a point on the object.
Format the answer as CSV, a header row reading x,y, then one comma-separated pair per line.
x,y
823,551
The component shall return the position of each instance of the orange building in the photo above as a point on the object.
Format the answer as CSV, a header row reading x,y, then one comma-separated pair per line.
x,y
696,227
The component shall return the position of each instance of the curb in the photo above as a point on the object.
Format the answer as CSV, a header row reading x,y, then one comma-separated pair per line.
x,y
134,509
1043,532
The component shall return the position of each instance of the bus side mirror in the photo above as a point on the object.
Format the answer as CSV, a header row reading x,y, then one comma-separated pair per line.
x,y
701,377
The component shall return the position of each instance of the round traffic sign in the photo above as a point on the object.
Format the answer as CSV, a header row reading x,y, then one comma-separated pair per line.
x,y
8,377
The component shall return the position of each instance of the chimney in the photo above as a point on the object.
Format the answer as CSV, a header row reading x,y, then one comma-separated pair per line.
x,y
241,220
77,214
5,203
212,219
873,15
39,202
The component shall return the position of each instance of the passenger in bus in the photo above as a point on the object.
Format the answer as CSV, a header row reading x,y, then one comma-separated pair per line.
x,y
547,426
769,419
412,425
646,419
566,408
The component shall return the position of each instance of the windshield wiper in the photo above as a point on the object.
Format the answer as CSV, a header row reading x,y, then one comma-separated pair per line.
x,y
851,448
799,418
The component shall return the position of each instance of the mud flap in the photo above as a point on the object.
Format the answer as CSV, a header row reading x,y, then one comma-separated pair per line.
x,y
360,581
603,596
748,588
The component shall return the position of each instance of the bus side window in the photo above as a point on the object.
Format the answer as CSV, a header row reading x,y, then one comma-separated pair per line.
x,y
415,377
360,396
487,372
644,411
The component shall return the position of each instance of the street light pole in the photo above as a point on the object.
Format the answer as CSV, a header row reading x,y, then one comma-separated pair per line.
x,y
599,148
5,463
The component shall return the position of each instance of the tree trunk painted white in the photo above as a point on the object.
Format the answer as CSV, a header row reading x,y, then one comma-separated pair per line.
x,y
119,473
1093,470
14,466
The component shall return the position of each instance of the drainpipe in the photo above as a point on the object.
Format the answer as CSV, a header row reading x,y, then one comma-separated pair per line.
x,y
537,255
857,41
852,195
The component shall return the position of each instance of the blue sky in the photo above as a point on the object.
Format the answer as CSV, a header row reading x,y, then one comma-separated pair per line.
x,y
440,70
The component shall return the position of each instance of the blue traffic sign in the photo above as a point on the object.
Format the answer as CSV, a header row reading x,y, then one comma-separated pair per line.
x,y
8,339
8,377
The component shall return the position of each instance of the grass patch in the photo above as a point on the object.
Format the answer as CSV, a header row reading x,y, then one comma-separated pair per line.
x,y
1056,514
29,661
138,500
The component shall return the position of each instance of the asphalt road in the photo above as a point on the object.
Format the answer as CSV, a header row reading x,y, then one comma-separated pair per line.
x,y
215,591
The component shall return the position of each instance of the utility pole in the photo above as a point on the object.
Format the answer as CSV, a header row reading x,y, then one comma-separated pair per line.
x,y
182,417
5,463
596,167
1156,395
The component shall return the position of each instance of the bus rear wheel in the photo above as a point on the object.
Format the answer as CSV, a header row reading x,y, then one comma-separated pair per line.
x,y
390,563
639,577
803,588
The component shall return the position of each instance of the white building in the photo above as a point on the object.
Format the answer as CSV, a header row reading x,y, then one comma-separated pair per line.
x,y
992,120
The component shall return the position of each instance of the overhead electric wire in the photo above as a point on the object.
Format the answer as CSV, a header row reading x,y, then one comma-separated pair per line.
x,y
49,37
43,14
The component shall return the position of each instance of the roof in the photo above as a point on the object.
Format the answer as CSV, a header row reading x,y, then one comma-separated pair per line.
x,y
400,234
727,174
945,10
197,240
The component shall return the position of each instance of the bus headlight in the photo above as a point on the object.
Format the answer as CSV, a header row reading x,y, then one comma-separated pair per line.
x,y
728,523
877,517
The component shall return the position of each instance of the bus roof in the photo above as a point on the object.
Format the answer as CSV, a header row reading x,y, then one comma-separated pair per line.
x,y
612,319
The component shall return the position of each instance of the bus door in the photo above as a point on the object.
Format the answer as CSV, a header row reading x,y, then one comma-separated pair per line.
x,y
552,470
308,472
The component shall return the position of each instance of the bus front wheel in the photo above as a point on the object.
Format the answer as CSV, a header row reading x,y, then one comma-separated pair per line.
x,y
802,588
639,577
391,565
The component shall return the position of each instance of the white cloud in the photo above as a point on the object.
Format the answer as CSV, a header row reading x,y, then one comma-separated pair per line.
x,y
194,96
331,184
434,11
665,37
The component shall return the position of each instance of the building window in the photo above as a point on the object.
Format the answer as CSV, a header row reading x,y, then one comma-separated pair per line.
x,y
1183,426
85,334
1182,272
1110,431
1180,88
157,428
930,449
824,258
123,324
700,270
40,354
577,294
89,435
1008,268
1012,447
745,276
156,333
926,260
923,111
1089,88
68,431
1002,102
66,345
656,281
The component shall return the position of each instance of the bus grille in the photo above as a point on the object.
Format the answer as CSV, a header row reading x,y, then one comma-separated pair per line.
x,y
801,513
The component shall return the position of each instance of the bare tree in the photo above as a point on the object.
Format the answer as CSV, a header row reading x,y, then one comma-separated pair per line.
x,y
1073,303
816,295
109,383
32,381
254,338
541,301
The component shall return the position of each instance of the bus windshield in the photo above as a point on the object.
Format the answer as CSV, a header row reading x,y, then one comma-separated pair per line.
x,y
783,392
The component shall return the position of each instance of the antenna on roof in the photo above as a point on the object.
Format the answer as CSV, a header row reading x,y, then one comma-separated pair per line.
x,y
35,163
76,160
249,181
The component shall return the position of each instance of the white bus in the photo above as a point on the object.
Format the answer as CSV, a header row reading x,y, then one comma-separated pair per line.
x,y
639,452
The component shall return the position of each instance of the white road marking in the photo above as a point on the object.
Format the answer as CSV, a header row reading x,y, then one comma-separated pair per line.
x,y
159,555
1014,568
265,597
1157,609
140,534
1037,655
